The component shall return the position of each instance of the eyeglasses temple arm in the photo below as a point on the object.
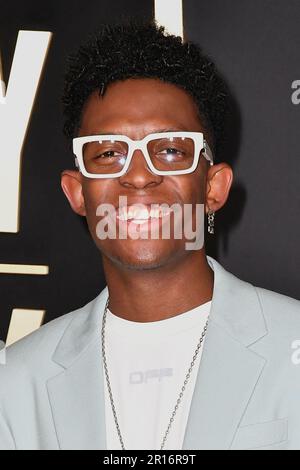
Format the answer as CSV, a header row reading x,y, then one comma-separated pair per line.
x,y
208,153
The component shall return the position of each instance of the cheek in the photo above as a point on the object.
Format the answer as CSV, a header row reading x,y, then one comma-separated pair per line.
x,y
191,187
96,192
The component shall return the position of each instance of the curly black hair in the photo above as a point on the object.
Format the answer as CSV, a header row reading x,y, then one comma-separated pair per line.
x,y
143,49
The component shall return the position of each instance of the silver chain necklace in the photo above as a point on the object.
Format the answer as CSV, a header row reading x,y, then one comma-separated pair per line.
x,y
180,394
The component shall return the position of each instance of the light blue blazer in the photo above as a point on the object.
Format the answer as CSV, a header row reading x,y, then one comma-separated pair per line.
x,y
247,393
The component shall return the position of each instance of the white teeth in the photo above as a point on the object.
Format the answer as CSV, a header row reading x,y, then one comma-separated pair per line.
x,y
138,221
138,215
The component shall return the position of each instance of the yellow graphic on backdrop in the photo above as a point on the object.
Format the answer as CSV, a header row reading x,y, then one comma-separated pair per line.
x,y
29,57
17,99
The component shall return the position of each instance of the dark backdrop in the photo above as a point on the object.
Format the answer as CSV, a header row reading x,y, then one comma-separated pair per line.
x,y
256,45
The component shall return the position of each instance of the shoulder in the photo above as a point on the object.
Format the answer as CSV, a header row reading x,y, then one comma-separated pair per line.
x,y
281,344
279,310
34,351
242,296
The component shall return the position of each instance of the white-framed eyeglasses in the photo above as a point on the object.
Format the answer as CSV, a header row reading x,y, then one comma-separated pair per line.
x,y
166,153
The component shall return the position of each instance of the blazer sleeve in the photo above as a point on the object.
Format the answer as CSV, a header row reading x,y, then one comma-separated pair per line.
x,y
6,439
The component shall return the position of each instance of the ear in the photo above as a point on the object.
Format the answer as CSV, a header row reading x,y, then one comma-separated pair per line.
x,y
72,187
219,181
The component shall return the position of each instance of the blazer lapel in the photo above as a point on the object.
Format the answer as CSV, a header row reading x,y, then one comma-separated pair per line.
x,y
76,394
227,375
228,370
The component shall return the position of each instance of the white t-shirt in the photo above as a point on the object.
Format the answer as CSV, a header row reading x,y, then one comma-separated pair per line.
x,y
147,365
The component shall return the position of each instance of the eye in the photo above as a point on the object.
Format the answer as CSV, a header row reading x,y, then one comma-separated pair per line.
x,y
172,149
109,154
170,152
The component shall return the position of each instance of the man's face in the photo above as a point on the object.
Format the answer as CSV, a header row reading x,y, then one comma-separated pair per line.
x,y
136,108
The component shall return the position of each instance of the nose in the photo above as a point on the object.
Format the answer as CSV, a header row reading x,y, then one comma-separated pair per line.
x,y
139,174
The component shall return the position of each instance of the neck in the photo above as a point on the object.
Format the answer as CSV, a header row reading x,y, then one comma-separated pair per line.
x,y
160,293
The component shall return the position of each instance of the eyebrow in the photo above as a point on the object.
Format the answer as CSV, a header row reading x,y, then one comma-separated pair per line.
x,y
155,131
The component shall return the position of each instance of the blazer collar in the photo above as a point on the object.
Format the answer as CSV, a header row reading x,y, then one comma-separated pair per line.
x,y
81,331
235,308
228,372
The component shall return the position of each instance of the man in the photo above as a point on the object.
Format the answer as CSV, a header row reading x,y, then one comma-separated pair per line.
x,y
176,352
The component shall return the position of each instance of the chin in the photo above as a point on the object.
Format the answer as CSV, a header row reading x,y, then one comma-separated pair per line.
x,y
142,257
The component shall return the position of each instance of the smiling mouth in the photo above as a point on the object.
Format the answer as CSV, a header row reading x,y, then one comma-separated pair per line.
x,y
140,216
